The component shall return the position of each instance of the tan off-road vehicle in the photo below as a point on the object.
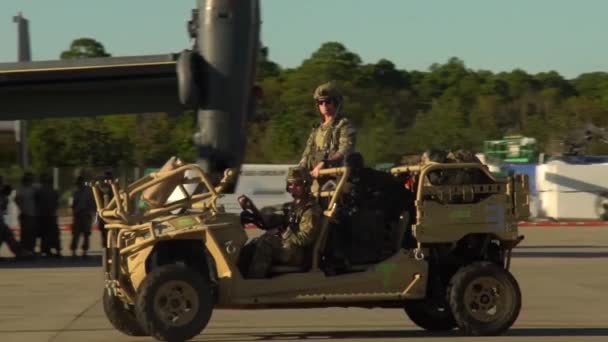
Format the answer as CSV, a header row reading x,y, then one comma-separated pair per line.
x,y
445,259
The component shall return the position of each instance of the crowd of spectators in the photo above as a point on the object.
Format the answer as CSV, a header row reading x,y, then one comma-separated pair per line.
x,y
39,232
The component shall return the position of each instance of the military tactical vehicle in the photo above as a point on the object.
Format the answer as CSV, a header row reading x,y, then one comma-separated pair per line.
x,y
445,260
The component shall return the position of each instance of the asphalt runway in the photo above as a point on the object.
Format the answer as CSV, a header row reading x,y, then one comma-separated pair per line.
x,y
563,274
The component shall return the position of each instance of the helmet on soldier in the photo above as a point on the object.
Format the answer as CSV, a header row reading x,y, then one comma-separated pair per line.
x,y
298,175
298,179
328,91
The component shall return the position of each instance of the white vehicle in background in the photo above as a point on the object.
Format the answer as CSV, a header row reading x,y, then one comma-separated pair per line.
x,y
264,182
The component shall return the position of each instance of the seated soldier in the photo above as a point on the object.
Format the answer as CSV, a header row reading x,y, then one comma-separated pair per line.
x,y
289,245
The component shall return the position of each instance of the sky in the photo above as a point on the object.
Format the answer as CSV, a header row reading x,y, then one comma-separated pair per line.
x,y
567,36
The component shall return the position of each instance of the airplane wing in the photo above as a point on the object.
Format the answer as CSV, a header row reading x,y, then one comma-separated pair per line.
x,y
91,86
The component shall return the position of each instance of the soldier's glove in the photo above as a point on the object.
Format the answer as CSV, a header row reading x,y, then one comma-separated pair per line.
x,y
250,213
272,220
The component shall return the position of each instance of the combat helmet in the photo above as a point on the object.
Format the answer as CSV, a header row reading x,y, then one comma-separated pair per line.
x,y
298,174
328,90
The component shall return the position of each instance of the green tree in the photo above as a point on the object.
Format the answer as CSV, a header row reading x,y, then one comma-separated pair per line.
x,y
379,138
553,80
266,68
332,61
85,48
46,144
395,111
74,141
593,84
443,127
519,83
382,75
483,119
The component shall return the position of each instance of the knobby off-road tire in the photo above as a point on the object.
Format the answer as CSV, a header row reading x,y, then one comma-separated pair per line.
x,y
121,317
430,315
174,303
485,299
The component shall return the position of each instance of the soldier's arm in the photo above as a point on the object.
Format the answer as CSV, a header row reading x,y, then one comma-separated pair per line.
x,y
309,229
272,208
274,215
346,141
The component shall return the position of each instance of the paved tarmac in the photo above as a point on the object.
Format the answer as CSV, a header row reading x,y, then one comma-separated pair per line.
x,y
562,273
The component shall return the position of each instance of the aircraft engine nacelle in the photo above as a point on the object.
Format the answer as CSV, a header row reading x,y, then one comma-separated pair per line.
x,y
217,78
188,68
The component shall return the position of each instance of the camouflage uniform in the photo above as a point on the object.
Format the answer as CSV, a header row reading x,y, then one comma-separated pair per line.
x,y
83,212
339,136
289,248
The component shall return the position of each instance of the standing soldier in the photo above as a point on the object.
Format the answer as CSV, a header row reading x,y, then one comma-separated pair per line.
x,y
25,199
83,209
47,202
6,234
303,224
333,138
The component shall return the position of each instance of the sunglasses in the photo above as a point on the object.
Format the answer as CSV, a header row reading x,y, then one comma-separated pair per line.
x,y
326,102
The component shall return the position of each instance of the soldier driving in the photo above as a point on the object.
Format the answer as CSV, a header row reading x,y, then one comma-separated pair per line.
x,y
302,224
333,138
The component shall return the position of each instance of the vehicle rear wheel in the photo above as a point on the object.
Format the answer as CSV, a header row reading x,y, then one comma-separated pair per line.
x,y
174,303
121,316
485,299
431,315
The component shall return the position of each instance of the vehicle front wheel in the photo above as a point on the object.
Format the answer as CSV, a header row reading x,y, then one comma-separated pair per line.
x,y
174,303
485,299
431,315
121,316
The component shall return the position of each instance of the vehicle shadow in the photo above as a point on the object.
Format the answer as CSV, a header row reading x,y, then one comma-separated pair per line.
x,y
561,251
558,331
395,334
64,262
561,247
560,254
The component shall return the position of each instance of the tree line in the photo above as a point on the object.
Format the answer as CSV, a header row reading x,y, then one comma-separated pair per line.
x,y
396,112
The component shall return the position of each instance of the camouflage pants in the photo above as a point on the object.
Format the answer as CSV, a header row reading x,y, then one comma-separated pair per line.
x,y
269,250
81,226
